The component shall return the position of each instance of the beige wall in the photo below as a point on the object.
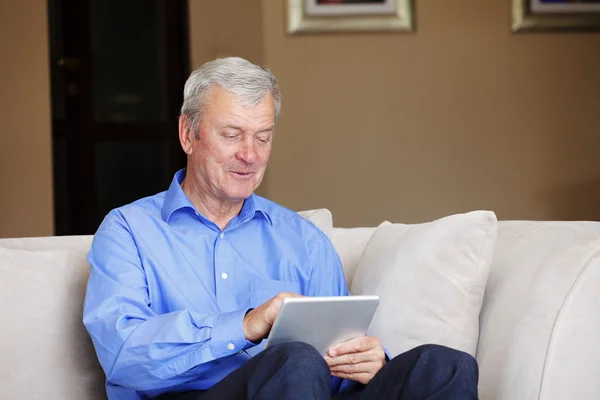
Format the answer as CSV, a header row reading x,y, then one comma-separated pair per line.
x,y
26,200
407,127
461,115
225,28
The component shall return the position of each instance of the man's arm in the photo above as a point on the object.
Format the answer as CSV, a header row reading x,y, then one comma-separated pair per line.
x,y
137,347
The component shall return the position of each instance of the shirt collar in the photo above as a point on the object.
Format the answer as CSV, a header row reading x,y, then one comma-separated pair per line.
x,y
252,205
176,199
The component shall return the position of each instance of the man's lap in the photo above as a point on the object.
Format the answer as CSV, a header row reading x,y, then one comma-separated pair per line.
x,y
429,371
301,360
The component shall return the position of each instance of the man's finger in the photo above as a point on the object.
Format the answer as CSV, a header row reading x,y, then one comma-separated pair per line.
x,y
371,367
289,295
352,358
356,345
362,377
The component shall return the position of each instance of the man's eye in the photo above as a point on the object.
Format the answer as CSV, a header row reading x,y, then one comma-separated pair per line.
x,y
264,138
230,135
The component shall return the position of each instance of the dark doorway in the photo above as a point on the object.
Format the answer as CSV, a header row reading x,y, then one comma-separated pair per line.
x,y
117,72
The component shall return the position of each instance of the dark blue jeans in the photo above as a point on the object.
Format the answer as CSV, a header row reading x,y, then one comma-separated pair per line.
x,y
297,371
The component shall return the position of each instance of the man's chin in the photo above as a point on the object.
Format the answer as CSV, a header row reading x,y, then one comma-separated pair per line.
x,y
241,190
240,195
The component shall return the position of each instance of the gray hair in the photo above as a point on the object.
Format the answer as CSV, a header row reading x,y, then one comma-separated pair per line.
x,y
249,82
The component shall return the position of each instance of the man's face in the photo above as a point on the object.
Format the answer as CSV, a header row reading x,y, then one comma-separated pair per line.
x,y
230,157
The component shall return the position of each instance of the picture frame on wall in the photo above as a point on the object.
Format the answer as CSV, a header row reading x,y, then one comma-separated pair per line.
x,y
311,16
548,15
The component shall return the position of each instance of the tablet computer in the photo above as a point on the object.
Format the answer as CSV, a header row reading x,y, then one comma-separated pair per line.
x,y
322,322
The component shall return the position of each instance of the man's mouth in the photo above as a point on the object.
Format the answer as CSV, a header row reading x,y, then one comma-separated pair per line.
x,y
242,174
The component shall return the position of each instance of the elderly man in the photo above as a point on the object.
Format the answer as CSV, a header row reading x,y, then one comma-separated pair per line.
x,y
186,284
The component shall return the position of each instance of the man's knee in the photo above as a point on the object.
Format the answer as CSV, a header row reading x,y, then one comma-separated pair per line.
x,y
290,370
302,357
438,359
443,363
449,357
432,369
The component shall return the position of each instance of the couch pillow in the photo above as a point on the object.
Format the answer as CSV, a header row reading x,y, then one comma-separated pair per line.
x,y
322,219
45,349
430,279
350,244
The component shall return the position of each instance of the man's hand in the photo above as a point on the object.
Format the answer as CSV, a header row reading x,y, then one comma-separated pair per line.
x,y
358,359
258,322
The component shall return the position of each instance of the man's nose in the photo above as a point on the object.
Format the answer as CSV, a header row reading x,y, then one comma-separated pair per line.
x,y
247,152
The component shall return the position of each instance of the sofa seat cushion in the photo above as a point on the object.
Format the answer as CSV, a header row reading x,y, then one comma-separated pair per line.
x,y
430,279
46,351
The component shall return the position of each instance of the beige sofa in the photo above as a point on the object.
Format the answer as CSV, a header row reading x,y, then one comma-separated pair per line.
x,y
539,332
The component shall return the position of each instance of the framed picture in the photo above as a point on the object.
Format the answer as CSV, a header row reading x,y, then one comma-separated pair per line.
x,y
349,15
543,15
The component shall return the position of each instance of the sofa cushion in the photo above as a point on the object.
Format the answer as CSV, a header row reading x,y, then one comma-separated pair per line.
x,y
46,351
540,321
350,244
76,243
430,279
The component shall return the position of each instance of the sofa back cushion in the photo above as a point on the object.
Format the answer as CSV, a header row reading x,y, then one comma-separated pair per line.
x,y
540,320
430,279
73,243
350,244
46,351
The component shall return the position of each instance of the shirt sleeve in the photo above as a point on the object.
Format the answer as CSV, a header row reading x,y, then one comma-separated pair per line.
x,y
327,277
137,347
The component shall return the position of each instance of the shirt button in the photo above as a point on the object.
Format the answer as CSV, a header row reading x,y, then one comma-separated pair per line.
x,y
224,275
231,346
221,235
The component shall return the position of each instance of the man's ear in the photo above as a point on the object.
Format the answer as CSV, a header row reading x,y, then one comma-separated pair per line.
x,y
186,134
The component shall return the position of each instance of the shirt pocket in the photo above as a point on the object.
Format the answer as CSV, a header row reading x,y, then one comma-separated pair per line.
x,y
262,290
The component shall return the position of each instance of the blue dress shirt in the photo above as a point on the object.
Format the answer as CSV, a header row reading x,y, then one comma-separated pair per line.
x,y
168,290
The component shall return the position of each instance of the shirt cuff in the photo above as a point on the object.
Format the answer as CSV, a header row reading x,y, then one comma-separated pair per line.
x,y
227,336
388,358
